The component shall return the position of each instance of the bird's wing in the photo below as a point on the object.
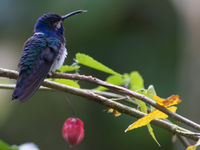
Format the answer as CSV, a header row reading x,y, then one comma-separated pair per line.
x,y
35,63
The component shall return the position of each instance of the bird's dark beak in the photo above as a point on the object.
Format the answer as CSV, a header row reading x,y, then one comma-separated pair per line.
x,y
73,13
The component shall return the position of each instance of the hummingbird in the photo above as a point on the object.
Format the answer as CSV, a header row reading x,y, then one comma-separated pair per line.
x,y
43,53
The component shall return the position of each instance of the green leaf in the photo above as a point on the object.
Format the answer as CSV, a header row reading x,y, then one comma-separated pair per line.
x,y
116,80
152,133
90,62
137,83
66,68
151,90
143,108
4,146
67,82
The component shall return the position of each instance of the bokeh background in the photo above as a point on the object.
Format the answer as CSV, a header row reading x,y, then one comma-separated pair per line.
x,y
160,39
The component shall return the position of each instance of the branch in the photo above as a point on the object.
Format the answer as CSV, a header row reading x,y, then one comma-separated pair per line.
x,y
91,95
174,129
185,142
12,86
128,92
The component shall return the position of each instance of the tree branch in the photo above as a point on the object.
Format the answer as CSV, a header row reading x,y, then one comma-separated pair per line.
x,y
91,95
128,92
183,140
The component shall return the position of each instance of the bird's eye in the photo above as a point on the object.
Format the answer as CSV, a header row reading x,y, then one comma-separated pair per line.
x,y
58,25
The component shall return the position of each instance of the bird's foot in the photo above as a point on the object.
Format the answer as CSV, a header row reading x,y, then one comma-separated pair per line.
x,y
49,74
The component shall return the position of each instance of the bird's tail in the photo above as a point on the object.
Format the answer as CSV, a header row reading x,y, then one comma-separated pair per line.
x,y
26,87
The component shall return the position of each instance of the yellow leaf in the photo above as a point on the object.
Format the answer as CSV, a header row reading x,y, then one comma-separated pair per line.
x,y
148,118
158,99
193,147
172,100
115,112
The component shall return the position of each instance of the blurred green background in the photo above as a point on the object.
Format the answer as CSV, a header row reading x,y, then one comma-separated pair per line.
x,y
126,35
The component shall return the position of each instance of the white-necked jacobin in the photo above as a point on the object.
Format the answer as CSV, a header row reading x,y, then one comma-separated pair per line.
x,y
43,53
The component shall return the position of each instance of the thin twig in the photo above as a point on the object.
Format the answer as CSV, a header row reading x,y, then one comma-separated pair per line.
x,y
175,116
88,94
70,106
125,91
103,93
12,86
184,141
108,94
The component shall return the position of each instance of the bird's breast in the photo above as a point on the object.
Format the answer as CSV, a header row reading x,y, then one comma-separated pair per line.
x,y
60,58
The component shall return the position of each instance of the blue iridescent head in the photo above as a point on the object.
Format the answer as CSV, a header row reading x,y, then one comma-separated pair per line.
x,y
52,24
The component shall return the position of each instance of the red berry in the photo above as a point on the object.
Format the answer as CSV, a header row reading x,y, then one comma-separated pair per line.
x,y
73,131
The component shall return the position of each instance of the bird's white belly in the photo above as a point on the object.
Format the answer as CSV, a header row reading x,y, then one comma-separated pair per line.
x,y
58,62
